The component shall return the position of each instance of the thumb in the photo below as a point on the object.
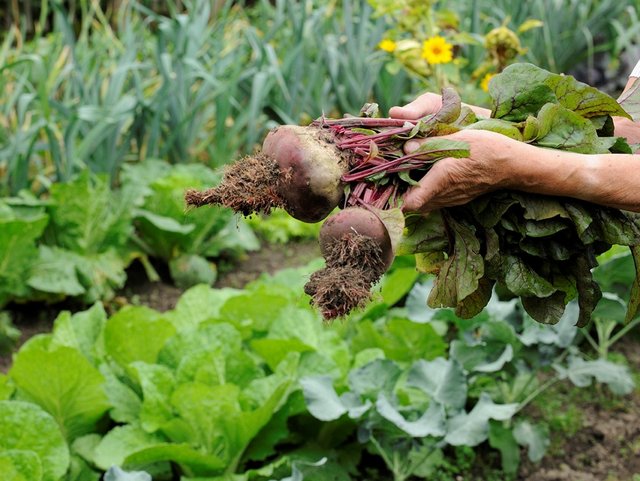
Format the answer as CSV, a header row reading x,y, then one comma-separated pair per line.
x,y
427,103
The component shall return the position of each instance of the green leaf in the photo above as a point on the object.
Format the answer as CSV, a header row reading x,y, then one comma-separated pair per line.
x,y
442,379
434,148
120,442
26,428
378,377
563,129
136,333
634,296
481,358
17,253
423,234
321,398
522,280
401,339
55,272
500,126
188,270
534,436
470,429
581,373
222,337
87,217
501,438
166,224
430,423
81,331
459,275
92,276
124,401
6,387
199,304
522,89
19,465
64,383
158,384
395,285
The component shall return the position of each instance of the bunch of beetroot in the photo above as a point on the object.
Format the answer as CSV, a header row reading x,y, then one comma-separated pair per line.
x,y
356,163
539,248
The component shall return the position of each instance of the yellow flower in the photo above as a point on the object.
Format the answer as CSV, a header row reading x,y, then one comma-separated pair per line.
x,y
484,84
387,45
437,50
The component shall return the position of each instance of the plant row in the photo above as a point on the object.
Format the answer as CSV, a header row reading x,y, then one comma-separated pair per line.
x,y
250,385
78,241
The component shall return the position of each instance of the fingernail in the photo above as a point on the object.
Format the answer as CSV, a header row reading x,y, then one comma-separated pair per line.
x,y
411,146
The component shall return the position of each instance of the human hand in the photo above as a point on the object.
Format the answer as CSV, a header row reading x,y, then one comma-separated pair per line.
x,y
493,164
426,104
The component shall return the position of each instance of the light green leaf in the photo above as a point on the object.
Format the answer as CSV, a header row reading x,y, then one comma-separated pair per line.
x,y
116,474
64,383
124,401
136,333
480,358
321,398
501,438
533,436
26,427
163,223
431,423
6,387
158,384
81,331
188,270
500,126
120,442
470,429
581,373
199,304
17,253
55,272
20,465
88,217
442,379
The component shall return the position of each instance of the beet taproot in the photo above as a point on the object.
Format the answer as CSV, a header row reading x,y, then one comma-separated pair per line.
x,y
299,169
357,250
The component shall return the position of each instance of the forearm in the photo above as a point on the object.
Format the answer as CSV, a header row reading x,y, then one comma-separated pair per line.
x,y
609,179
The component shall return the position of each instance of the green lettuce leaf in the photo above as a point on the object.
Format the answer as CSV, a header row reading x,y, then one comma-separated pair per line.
x,y
64,383
27,431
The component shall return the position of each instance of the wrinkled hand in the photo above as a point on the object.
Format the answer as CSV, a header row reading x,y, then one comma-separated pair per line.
x,y
451,182
426,104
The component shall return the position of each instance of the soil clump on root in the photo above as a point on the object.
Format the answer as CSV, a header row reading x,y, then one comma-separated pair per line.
x,y
353,265
248,186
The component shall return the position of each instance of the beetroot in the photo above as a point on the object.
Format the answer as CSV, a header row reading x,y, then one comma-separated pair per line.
x,y
299,169
357,250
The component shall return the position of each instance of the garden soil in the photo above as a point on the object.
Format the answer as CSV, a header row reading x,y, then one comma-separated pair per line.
x,y
605,448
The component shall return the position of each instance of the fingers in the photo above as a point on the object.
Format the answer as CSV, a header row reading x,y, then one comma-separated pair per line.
x,y
420,197
427,103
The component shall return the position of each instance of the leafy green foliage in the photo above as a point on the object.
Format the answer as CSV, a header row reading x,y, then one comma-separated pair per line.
x,y
539,248
18,235
31,444
184,239
249,385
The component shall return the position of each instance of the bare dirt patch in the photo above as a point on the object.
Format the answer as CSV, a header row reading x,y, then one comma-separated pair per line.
x,y
607,445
